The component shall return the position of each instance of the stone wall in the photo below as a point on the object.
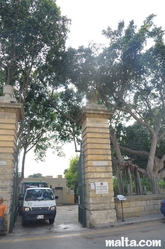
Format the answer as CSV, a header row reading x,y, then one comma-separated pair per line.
x,y
135,206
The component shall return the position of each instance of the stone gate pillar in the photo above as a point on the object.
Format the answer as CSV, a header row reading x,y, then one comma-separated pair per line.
x,y
97,166
10,113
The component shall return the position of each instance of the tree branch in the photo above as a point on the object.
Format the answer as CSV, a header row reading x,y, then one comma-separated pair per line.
x,y
140,153
63,113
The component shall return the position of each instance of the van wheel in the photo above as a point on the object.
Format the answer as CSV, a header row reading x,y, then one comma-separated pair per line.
x,y
51,221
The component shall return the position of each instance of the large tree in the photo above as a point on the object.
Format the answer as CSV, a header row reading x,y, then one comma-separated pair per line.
x,y
32,32
32,51
49,122
135,82
129,76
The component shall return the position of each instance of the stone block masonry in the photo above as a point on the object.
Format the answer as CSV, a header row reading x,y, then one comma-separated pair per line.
x,y
10,114
140,205
97,166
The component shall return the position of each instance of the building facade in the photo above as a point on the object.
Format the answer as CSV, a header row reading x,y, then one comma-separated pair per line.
x,y
65,194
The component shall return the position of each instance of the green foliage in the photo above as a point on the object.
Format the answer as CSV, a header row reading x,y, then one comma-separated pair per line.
x,y
135,137
30,32
82,68
69,102
129,76
115,186
146,185
36,175
32,48
162,183
71,175
138,138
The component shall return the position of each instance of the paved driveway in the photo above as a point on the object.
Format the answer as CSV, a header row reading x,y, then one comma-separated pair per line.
x,y
66,220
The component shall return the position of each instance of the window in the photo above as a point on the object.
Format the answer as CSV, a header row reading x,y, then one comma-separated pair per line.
x,y
39,194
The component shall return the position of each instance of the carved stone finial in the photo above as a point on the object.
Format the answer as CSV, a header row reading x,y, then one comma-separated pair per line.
x,y
8,94
93,96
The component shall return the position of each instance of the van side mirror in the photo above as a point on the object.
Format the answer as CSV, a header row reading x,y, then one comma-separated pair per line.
x,y
56,197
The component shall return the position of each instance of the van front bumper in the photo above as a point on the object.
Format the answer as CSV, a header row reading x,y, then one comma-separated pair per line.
x,y
38,215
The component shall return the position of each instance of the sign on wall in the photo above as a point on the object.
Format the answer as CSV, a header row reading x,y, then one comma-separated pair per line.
x,y
92,185
2,162
100,163
102,188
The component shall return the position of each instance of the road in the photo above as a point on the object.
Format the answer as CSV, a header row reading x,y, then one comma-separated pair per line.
x,y
67,233
89,238
66,221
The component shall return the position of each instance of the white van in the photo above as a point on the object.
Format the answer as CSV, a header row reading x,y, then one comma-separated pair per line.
x,y
39,204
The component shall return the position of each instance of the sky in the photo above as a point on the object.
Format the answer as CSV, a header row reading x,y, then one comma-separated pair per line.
x,y
88,19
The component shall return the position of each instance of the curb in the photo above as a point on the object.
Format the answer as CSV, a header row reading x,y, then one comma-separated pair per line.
x,y
137,221
127,223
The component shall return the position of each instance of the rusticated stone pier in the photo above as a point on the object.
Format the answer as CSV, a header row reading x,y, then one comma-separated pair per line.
x,y
97,166
10,113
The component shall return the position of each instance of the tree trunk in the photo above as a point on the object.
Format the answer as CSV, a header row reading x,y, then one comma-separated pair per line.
x,y
138,185
120,160
150,163
23,166
154,185
150,167
129,186
116,146
119,180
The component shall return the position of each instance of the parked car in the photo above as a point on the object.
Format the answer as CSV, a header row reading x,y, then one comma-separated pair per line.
x,y
162,207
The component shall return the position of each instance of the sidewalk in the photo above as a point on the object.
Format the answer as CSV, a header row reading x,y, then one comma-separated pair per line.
x,y
134,220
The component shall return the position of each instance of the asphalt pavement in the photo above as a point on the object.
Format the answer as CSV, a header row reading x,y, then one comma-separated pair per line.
x,y
67,221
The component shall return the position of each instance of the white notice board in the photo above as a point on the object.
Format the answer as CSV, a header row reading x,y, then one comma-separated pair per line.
x,y
121,197
102,188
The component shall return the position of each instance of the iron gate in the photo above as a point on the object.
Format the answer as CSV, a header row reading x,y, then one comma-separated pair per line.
x,y
14,206
81,193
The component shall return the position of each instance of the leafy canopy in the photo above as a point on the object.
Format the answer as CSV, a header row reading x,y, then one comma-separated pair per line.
x,y
71,175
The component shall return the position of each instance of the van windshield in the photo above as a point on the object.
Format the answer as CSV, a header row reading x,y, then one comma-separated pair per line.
x,y
39,194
